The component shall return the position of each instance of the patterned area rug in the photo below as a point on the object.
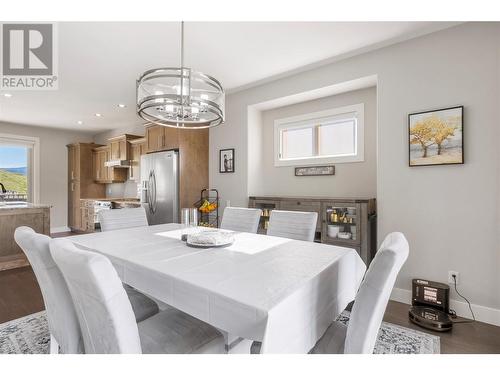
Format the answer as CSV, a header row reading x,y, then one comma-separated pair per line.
x,y
30,335
394,339
26,335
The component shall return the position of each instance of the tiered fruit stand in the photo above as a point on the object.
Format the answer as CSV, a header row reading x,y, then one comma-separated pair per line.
x,y
208,208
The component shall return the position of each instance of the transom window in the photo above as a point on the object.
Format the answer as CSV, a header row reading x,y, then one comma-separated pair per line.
x,y
333,136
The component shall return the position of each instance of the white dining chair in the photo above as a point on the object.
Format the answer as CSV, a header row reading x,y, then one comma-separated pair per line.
x,y
122,218
360,336
295,225
63,324
106,317
61,316
241,219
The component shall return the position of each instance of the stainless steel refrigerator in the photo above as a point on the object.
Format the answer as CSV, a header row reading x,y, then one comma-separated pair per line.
x,y
160,187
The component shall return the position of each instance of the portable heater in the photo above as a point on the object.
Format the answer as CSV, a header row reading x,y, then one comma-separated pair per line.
x,y
430,305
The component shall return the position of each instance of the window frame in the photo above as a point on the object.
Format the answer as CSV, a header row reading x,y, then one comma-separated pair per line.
x,y
34,169
302,120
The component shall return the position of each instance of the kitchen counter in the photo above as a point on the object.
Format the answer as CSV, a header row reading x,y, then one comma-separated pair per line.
x,y
116,202
21,205
16,214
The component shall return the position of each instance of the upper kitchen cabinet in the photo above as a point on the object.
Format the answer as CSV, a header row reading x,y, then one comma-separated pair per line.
x,y
81,182
103,174
137,148
120,147
161,138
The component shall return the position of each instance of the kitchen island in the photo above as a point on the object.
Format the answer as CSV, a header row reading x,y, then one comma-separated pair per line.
x,y
13,215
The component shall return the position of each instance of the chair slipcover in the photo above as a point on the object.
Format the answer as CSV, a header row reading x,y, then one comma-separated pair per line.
x,y
106,317
61,316
370,303
241,219
122,218
293,224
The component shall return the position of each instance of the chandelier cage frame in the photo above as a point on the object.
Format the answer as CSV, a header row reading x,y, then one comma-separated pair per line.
x,y
180,97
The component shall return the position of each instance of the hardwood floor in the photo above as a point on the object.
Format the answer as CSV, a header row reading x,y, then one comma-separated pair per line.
x,y
464,338
20,296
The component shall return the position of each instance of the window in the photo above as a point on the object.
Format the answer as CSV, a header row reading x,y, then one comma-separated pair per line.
x,y
333,136
18,171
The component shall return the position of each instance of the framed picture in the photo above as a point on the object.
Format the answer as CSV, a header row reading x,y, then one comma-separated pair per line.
x,y
436,137
226,160
327,170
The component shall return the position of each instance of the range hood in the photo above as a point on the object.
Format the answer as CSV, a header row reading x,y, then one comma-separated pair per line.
x,y
118,163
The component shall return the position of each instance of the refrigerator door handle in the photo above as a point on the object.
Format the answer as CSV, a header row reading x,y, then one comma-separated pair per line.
x,y
154,190
149,192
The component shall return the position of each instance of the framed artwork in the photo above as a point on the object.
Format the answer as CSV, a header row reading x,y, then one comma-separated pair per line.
x,y
226,160
436,137
326,170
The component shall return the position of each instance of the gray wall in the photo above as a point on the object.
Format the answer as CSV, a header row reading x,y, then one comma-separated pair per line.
x,y
350,180
53,165
450,214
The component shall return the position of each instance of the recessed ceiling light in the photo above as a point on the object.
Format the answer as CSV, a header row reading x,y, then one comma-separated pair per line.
x,y
122,105
98,115
7,95
79,122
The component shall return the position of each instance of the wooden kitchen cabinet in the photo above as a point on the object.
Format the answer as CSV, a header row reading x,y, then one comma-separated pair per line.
x,y
193,164
161,138
120,148
99,157
103,174
137,148
81,181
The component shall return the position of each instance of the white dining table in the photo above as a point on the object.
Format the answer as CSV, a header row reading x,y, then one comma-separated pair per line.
x,y
284,293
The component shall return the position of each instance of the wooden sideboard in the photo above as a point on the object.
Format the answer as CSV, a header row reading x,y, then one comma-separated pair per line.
x,y
358,217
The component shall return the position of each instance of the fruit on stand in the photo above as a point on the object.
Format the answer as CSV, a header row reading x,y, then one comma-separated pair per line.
x,y
207,207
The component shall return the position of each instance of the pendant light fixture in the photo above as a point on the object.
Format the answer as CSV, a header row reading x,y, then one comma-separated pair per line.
x,y
180,97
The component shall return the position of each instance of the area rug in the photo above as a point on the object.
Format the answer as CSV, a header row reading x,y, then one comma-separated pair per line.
x,y
26,335
30,335
394,339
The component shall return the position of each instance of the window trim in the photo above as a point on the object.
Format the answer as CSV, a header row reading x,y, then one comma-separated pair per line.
x,y
301,120
34,173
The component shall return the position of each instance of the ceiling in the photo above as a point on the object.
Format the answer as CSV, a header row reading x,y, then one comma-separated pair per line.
x,y
99,62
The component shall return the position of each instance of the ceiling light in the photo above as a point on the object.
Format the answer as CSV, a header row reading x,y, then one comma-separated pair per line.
x,y
79,122
176,97
122,105
7,95
98,115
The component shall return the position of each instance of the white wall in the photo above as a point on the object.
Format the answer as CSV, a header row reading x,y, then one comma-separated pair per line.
x,y
350,179
53,166
448,213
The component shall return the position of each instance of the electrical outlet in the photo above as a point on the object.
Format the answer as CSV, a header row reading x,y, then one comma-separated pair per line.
x,y
450,277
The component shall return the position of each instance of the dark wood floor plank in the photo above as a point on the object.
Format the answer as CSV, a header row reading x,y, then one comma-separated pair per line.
x,y
464,338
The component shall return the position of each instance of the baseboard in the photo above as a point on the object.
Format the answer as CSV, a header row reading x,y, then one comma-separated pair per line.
x,y
483,314
59,229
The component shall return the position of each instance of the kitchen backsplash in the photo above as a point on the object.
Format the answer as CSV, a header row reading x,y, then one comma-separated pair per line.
x,y
127,189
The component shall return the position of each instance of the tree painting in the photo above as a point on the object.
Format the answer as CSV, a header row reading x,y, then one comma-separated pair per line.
x,y
436,137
